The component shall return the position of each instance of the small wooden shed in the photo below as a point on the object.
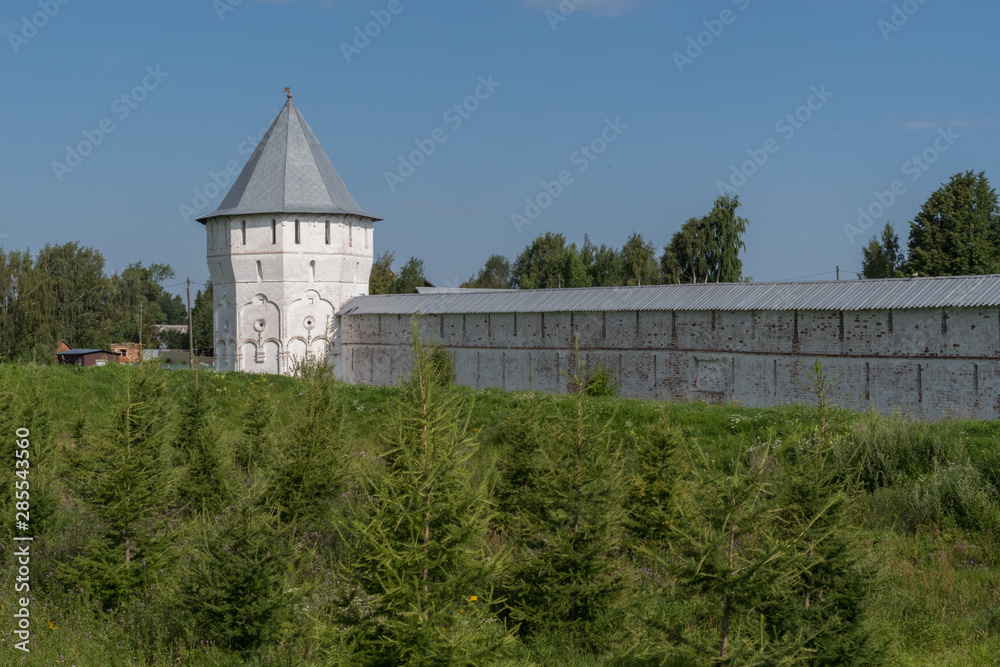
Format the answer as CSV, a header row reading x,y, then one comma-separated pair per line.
x,y
87,357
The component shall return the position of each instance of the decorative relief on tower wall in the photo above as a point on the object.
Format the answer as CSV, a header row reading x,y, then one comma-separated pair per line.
x,y
260,324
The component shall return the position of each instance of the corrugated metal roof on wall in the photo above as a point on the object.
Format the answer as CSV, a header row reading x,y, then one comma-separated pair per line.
x,y
899,293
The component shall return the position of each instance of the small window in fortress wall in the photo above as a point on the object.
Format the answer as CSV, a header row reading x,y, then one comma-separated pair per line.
x,y
274,232
328,232
298,234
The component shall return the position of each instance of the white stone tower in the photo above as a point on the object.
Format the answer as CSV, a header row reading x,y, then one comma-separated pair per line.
x,y
287,248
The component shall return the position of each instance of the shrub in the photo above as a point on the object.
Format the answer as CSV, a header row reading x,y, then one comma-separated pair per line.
x,y
312,367
442,364
919,473
601,381
952,494
890,449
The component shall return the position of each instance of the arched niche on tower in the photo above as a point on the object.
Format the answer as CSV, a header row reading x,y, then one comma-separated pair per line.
x,y
310,316
320,348
262,357
297,349
260,319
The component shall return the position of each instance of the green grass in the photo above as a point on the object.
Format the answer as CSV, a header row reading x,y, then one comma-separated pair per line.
x,y
935,598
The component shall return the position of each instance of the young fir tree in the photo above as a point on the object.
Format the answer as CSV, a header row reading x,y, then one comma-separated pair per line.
x,y
824,606
201,488
80,439
234,590
254,447
419,559
519,436
727,548
126,490
651,500
563,587
310,471
769,541
821,611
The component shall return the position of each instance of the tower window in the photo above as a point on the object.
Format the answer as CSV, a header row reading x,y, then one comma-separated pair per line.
x,y
243,231
350,234
260,272
365,228
274,232
312,271
328,232
298,236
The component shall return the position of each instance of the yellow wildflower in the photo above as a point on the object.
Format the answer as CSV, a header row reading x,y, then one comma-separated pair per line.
x,y
473,598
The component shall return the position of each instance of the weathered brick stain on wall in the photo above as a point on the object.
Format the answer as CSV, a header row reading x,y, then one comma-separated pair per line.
x,y
929,362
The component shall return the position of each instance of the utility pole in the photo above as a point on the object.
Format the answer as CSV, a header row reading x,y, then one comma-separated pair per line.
x,y
838,273
190,329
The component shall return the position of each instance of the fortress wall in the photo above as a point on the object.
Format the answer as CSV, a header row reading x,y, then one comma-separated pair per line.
x,y
929,362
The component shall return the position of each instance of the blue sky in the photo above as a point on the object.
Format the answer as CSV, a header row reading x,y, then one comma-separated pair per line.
x,y
830,102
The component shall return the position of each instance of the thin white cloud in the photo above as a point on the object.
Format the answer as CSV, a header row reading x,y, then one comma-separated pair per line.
x,y
592,7
974,122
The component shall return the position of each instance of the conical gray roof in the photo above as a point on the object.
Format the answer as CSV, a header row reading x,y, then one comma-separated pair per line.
x,y
288,173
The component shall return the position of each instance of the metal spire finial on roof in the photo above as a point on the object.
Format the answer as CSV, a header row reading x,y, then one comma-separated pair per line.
x,y
289,92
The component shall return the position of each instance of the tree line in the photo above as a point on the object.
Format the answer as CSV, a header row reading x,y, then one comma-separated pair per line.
x,y
956,233
705,249
64,293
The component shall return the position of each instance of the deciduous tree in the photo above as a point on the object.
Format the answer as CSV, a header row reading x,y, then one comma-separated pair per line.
x,y
494,275
411,276
639,264
541,264
707,249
